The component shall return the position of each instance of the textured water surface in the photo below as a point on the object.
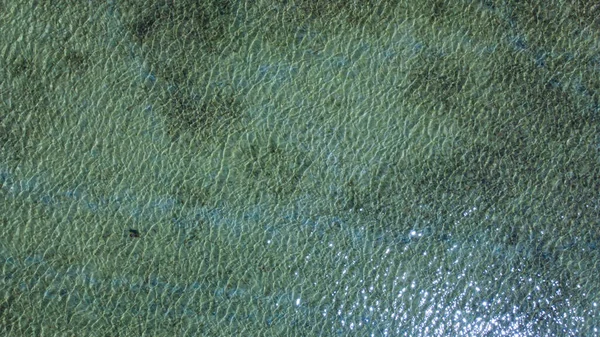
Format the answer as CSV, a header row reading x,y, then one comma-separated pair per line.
x,y
290,169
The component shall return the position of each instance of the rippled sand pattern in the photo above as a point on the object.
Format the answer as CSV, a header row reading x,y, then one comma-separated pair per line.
x,y
299,168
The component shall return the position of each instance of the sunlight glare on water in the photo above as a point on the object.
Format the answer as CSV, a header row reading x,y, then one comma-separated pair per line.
x,y
457,298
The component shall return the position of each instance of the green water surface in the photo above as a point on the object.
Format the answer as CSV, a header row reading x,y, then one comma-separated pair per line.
x,y
299,168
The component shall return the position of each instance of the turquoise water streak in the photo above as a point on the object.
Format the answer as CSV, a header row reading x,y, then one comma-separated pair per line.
x,y
299,169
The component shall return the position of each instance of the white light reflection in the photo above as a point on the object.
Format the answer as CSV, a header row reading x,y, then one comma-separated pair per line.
x,y
445,308
447,291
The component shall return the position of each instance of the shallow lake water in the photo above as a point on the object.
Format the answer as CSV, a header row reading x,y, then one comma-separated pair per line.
x,y
419,179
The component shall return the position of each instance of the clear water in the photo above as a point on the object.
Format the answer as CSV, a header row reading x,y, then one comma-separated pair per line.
x,y
357,191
